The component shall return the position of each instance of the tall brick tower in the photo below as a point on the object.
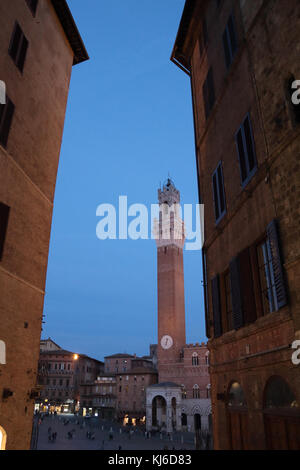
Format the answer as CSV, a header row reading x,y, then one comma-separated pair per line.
x,y
169,233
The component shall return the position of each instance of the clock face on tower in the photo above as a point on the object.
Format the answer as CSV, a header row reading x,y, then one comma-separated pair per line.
x,y
166,342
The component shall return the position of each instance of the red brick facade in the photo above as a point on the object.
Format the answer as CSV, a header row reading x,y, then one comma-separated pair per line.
x,y
29,155
241,58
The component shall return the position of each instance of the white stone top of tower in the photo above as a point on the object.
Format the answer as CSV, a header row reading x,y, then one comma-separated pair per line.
x,y
169,194
169,229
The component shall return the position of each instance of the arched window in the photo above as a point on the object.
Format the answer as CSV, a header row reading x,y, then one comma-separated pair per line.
x,y
183,392
279,395
281,416
3,437
196,391
207,358
195,359
208,390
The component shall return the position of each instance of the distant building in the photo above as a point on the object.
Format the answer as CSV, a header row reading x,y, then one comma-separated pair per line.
x,y
39,44
242,59
99,398
60,375
131,391
132,375
181,398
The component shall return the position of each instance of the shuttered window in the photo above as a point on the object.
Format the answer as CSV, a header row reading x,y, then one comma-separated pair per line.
x,y
230,41
32,5
209,93
229,315
6,117
219,193
271,276
277,274
246,151
205,288
216,303
247,287
236,294
4,216
242,290
18,47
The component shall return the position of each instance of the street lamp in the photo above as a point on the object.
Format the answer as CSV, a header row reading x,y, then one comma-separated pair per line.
x,y
75,358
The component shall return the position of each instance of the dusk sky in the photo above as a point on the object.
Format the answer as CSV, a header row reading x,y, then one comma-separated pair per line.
x,y
128,125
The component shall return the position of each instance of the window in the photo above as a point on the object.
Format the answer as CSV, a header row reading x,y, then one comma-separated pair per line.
x,y
216,303
228,301
219,193
6,116
196,391
209,93
18,47
229,42
207,358
4,216
246,151
32,5
183,392
266,278
195,359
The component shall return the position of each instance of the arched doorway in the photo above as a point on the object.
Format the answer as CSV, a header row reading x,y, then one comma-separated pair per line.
x,y
197,422
237,417
3,438
281,416
184,420
174,420
159,412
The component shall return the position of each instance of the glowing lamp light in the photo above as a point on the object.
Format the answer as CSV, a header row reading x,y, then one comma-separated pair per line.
x,y
75,357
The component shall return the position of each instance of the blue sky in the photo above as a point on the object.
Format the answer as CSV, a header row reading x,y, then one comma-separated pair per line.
x,y
128,125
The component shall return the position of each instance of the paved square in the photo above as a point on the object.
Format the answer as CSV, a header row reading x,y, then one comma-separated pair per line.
x,y
122,438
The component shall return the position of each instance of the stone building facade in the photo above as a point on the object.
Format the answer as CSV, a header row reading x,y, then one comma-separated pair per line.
x,y
99,398
39,44
60,376
242,60
181,399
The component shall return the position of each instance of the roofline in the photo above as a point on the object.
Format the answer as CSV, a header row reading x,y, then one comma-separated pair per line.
x,y
68,23
121,355
177,56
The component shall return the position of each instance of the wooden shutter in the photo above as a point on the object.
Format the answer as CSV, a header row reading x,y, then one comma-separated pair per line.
x,y
226,49
215,286
22,54
207,320
277,269
15,42
4,215
236,294
8,112
232,36
246,280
